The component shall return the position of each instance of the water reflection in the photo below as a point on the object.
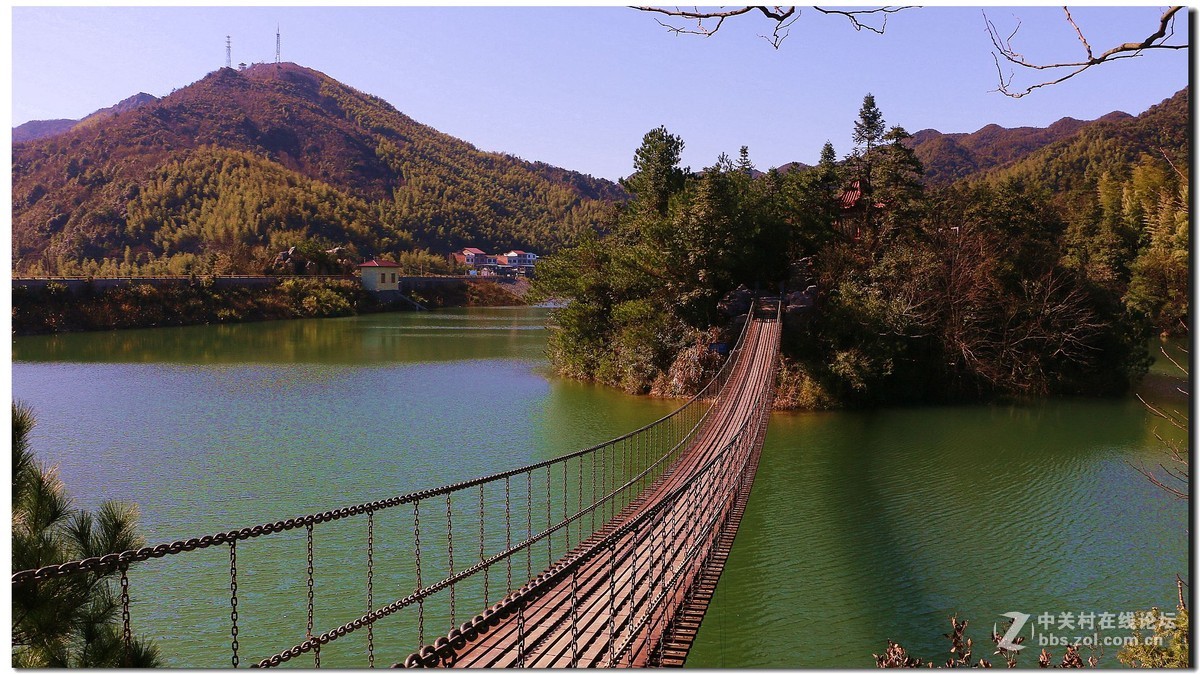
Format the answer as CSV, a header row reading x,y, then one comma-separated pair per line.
x,y
378,338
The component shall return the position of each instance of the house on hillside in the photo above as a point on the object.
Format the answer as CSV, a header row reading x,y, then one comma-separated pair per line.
x,y
512,263
503,268
379,275
520,262
480,263
850,197
475,257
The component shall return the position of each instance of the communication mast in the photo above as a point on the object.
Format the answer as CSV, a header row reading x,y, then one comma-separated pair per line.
x,y
228,53
276,46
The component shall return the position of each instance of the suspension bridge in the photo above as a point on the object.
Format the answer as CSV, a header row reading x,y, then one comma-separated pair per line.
x,y
634,533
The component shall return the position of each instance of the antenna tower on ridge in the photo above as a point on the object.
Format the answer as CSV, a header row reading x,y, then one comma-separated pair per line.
x,y
276,45
228,53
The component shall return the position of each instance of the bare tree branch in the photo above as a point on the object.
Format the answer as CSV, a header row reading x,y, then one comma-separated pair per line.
x,y
1178,493
1079,32
707,22
1178,451
1173,361
1179,173
853,16
1004,49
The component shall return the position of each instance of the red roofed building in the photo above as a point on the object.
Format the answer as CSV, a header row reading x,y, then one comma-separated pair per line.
x,y
517,262
380,274
852,203
851,197
520,258
475,257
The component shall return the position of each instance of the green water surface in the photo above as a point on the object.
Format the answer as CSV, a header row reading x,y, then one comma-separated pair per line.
x,y
862,527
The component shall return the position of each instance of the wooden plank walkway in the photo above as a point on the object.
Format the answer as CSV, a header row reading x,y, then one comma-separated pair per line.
x,y
633,593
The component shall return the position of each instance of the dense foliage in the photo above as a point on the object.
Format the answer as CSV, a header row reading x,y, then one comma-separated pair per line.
x,y
1122,188
245,163
73,621
643,294
971,291
1120,184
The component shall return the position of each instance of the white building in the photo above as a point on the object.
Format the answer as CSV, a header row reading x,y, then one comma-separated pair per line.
x,y
519,258
380,275
518,262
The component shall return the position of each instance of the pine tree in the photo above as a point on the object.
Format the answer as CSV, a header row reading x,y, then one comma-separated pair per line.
x,y
828,157
73,621
869,128
657,174
744,164
898,178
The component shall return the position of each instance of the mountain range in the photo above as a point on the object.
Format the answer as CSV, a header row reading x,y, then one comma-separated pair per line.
x,y
53,127
951,156
245,163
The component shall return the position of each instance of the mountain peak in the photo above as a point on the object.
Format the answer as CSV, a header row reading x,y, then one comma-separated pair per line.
x,y
285,71
1066,125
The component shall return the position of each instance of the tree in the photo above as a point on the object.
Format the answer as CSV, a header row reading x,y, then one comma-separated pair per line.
x,y
889,176
898,179
657,175
869,127
828,158
649,291
809,204
868,134
744,165
72,621
1158,285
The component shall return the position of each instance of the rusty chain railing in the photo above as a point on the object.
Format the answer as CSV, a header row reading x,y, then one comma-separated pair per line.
x,y
680,531
619,469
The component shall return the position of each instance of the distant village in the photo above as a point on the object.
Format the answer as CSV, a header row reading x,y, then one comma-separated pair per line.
x,y
512,263
382,274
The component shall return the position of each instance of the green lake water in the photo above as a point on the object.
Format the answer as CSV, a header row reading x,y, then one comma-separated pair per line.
x,y
862,527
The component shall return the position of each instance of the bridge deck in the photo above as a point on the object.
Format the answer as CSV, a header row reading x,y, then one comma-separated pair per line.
x,y
582,618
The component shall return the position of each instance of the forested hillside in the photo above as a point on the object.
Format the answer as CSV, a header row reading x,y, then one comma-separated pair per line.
x,y
1044,276
230,168
951,156
1121,187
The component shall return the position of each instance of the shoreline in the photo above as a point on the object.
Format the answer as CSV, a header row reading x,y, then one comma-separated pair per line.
x,y
54,309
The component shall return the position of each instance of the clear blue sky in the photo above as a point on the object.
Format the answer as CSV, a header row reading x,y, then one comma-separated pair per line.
x,y
578,87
